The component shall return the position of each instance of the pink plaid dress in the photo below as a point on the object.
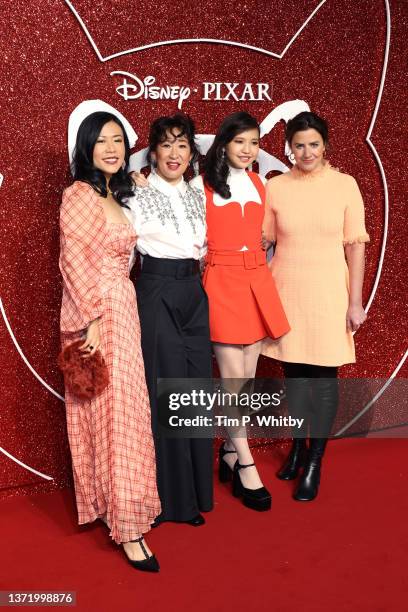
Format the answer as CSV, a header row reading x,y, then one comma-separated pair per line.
x,y
110,436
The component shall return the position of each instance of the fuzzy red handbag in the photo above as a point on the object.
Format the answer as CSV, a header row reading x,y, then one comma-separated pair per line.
x,y
84,377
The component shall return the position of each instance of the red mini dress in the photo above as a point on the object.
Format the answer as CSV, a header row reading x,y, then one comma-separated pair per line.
x,y
244,303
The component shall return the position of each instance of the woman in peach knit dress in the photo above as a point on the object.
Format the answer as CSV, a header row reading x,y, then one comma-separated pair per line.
x,y
315,214
110,435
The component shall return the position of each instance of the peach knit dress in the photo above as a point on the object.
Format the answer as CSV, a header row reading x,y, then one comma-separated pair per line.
x,y
311,217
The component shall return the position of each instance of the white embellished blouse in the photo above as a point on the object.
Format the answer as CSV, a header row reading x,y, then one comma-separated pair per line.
x,y
169,219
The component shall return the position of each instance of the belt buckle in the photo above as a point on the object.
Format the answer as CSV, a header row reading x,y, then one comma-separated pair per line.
x,y
250,260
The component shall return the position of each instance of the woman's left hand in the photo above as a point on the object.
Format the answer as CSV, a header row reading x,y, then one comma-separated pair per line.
x,y
139,179
92,340
355,317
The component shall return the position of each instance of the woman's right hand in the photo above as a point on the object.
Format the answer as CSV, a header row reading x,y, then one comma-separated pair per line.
x,y
139,179
93,340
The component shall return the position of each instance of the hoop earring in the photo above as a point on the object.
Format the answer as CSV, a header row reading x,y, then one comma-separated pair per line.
x,y
291,157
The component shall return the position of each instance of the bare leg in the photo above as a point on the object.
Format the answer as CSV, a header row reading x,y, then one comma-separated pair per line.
x,y
134,550
251,356
239,361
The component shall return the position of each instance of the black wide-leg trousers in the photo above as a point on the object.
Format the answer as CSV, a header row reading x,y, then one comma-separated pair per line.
x,y
173,312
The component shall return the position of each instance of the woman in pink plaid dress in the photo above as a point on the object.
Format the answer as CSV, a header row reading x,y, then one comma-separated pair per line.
x,y
110,435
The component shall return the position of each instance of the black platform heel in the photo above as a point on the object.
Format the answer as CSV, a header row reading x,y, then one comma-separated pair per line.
x,y
224,470
256,499
150,564
294,461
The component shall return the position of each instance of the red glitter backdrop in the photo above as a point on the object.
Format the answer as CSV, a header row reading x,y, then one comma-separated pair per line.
x,y
50,65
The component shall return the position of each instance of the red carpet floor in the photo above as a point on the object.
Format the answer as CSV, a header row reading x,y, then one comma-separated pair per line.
x,y
347,551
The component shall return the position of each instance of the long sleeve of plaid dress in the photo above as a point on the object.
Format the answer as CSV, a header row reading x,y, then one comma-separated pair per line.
x,y
82,236
110,436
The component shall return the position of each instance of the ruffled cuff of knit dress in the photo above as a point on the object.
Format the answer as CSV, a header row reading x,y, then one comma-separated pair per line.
x,y
357,239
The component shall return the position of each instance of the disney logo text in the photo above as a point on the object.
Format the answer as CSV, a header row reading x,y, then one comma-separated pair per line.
x,y
133,88
146,89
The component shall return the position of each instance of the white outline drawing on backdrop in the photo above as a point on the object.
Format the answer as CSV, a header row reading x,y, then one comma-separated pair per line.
x,y
190,40
23,357
264,126
35,373
24,465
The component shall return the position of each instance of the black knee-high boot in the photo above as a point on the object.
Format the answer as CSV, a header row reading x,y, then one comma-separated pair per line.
x,y
298,396
325,400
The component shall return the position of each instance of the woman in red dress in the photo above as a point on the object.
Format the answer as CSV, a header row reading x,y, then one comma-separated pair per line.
x,y
244,304
110,435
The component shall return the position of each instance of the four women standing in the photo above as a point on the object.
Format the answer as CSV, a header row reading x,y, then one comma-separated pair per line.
x,y
311,212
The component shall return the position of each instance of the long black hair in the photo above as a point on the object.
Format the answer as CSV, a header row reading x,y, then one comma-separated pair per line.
x,y
307,120
215,164
84,170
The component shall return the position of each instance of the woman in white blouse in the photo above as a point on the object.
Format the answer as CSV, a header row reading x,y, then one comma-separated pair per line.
x,y
169,218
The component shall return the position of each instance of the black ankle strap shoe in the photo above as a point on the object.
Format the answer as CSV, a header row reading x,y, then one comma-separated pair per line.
x,y
257,499
224,470
150,564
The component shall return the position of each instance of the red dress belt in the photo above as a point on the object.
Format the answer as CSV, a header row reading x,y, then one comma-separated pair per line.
x,y
247,259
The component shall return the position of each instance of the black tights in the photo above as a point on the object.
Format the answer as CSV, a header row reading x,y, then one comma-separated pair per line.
x,y
306,370
312,395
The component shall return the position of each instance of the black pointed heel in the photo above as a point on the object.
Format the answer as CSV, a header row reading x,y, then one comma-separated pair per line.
x,y
224,470
150,564
256,499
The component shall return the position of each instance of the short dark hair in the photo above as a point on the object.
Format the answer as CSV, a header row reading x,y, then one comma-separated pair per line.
x,y
307,121
84,170
162,125
216,166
